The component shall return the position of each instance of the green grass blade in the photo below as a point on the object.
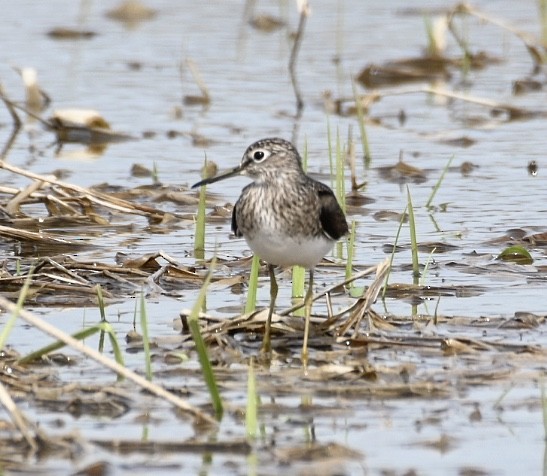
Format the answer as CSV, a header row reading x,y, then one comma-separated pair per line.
x,y
543,23
155,174
250,305
100,302
199,237
413,241
438,184
13,318
145,339
544,408
118,356
351,250
384,290
135,315
103,327
201,348
251,415
298,281
298,286
38,354
423,277
340,178
436,312
340,188
101,341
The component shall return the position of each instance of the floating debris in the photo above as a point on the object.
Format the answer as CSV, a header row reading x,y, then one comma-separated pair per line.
x,y
404,71
402,172
266,23
467,167
64,33
523,86
131,12
139,170
387,215
85,126
462,141
532,168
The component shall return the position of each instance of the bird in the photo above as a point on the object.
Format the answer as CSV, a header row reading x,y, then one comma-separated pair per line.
x,y
286,217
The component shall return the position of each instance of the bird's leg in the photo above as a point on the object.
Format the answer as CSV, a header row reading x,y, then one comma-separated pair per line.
x,y
266,343
307,307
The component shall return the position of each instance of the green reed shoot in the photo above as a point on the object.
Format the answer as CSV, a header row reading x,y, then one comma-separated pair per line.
x,y
199,237
424,273
298,285
298,281
201,349
401,221
543,19
362,130
436,312
102,310
305,156
438,184
155,173
351,250
135,315
413,241
251,414
102,327
544,409
38,354
100,303
436,226
251,463
118,356
250,305
340,187
105,328
145,338
145,435
20,301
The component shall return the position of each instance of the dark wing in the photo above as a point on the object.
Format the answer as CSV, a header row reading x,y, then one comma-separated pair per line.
x,y
235,229
331,215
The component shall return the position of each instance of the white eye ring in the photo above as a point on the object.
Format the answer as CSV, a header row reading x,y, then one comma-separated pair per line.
x,y
260,155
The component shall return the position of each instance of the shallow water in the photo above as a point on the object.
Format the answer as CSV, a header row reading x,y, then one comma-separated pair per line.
x,y
132,75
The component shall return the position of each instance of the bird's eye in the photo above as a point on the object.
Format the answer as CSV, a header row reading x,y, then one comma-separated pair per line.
x,y
260,155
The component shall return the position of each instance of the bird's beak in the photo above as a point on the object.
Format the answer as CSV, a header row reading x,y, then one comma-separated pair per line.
x,y
221,176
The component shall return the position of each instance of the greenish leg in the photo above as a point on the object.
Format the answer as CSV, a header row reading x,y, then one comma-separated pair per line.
x,y
266,343
307,306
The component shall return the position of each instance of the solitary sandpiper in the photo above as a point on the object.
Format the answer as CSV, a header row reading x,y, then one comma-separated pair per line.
x,y
286,217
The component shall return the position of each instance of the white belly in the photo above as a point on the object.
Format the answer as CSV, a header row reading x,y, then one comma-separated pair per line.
x,y
289,251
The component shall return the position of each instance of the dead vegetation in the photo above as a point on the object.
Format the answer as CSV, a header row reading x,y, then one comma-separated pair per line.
x,y
43,224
